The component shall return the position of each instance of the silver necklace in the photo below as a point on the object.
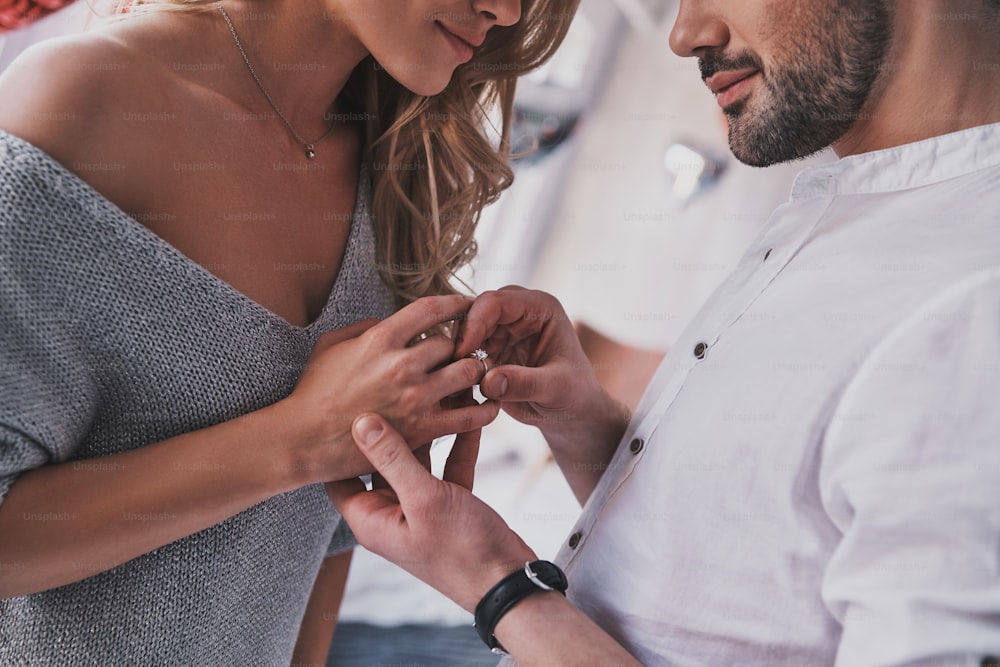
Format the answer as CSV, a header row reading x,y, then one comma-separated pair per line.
x,y
310,146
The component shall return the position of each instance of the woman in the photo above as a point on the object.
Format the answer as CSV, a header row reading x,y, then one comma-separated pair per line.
x,y
202,212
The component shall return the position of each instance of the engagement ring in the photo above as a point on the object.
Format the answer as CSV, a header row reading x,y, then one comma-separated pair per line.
x,y
480,354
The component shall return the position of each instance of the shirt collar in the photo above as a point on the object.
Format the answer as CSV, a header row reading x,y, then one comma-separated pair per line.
x,y
903,167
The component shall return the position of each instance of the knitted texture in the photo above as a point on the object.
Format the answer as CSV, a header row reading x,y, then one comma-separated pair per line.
x,y
111,339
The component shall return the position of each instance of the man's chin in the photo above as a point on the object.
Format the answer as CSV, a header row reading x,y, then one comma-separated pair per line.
x,y
769,143
751,150
757,159
748,140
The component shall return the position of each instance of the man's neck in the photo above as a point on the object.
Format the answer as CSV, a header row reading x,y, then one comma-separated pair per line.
x,y
940,76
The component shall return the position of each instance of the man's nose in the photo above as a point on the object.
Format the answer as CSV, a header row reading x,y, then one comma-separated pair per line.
x,y
699,27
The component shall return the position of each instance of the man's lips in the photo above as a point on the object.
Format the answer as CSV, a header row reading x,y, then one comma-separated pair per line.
x,y
729,86
718,82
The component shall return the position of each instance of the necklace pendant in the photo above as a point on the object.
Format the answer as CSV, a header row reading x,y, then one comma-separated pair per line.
x,y
310,153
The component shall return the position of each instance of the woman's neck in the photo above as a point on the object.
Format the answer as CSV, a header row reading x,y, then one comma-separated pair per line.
x,y
303,52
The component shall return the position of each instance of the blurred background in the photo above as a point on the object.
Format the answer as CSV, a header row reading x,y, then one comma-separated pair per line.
x,y
627,206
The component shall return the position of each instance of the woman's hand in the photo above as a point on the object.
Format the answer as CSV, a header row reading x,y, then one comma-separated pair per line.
x,y
543,377
383,367
434,529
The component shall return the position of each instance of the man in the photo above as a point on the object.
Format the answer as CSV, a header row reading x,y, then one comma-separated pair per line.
x,y
813,476
637,249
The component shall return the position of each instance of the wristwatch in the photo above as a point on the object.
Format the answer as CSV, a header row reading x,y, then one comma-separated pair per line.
x,y
540,575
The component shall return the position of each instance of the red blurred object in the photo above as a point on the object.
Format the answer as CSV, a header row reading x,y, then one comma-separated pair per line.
x,y
19,13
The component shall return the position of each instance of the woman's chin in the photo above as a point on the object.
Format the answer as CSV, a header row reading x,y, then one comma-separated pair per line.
x,y
425,86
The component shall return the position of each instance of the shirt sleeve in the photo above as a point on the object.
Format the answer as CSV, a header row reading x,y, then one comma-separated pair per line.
x,y
343,539
48,394
47,397
911,477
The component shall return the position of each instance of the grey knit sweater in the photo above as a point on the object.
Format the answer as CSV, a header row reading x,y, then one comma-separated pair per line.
x,y
111,339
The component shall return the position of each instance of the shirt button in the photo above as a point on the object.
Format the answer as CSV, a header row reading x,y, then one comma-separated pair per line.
x,y
768,253
574,539
699,350
636,445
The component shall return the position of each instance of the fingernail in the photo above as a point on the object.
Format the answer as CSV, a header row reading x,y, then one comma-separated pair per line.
x,y
368,428
504,385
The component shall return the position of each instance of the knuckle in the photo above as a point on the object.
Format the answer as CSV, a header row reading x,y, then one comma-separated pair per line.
x,y
410,396
377,336
488,300
529,387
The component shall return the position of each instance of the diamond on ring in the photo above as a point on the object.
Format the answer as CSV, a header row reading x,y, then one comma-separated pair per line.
x,y
480,355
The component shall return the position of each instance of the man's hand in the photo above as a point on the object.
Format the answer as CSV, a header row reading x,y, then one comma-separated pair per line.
x,y
434,529
543,377
439,532
544,374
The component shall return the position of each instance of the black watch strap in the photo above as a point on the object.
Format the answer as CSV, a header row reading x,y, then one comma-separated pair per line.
x,y
540,575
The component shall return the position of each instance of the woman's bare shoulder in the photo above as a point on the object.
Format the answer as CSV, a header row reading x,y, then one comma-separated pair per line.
x,y
68,94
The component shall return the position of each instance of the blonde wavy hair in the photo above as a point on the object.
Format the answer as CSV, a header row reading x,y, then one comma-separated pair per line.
x,y
434,164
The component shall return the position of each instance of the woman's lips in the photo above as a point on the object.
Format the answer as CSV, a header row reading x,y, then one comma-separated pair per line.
x,y
462,49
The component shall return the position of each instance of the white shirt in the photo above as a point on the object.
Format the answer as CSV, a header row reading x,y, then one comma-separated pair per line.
x,y
823,486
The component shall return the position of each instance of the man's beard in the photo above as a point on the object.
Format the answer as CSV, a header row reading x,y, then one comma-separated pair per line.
x,y
817,92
